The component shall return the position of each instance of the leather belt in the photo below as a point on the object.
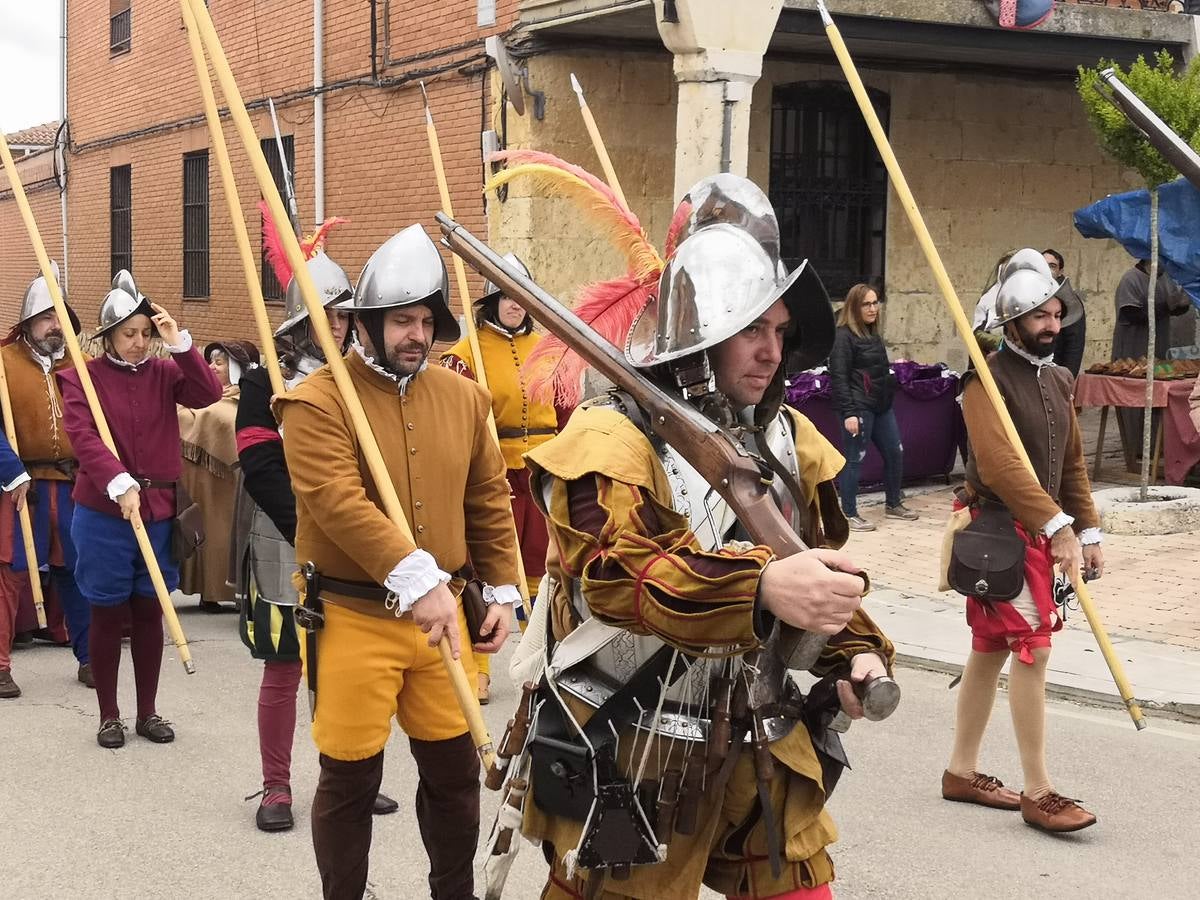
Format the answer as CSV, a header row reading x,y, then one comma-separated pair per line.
x,y
147,483
66,467
523,432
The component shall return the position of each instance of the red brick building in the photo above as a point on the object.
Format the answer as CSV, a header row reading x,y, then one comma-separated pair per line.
x,y
139,145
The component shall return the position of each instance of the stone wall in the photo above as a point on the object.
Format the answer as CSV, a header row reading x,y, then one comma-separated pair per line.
x,y
994,163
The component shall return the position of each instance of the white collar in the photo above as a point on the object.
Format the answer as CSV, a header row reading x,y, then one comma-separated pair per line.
x,y
402,381
46,362
1040,361
127,365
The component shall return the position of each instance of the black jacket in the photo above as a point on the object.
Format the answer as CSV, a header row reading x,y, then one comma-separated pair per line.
x,y
263,465
858,372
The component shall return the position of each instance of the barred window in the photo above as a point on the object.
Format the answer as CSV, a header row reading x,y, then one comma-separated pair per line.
x,y
271,288
120,218
120,27
195,224
828,184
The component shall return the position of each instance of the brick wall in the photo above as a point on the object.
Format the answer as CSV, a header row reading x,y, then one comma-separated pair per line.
x,y
18,265
143,109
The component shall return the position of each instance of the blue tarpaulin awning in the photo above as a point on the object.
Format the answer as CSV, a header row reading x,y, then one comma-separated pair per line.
x,y
1126,219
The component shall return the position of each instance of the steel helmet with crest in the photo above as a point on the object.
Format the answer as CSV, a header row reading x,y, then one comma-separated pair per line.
x,y
36,301
122,303
1025,285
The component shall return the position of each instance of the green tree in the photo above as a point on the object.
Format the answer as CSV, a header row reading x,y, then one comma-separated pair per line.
x,y
1175,97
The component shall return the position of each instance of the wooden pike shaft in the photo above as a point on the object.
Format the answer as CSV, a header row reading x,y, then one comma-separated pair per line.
x,y
463,690
31,561
464,295
89,391
900,185
610,174
217,135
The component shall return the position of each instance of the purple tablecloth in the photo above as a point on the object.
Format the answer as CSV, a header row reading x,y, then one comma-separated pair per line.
x,y
931,423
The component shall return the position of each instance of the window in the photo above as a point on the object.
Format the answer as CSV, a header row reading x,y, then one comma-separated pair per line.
x,y
271,288
120,30
828,184
195,224
120,219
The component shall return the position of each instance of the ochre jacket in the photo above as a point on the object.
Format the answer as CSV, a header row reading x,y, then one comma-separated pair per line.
x,y
37,410
516,413
446,469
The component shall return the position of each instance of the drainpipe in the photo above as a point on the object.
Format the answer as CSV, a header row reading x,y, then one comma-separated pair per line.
x,y
61,150
319,111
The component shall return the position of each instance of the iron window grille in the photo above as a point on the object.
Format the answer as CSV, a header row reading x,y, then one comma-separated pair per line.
x,y
120,27
120,218
828,184
271,288
195,225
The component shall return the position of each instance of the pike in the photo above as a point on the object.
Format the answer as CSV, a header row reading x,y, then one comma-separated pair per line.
x,y
31,563
289,185
942,277
89,391
1160,135
738,477
368,443
593,130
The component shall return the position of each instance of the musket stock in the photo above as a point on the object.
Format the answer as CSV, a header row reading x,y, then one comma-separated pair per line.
x,y
723,462
1160,135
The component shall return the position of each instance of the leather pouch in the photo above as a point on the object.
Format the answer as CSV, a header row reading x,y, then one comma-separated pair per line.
x,y
987,559
474,607
187,529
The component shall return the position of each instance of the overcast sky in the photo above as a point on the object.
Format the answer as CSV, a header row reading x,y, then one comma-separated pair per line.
x,y
29,63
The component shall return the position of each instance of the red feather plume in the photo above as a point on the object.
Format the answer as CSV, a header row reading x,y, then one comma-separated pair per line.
x,y
309,245
553,371
682,212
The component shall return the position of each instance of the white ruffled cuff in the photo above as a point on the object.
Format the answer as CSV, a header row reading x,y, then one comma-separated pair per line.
x,y
185,342
17,482
1091,536
506,594
1059,521
414,577
120,485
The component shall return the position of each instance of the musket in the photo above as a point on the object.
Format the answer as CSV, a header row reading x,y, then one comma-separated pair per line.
x,y
1161,136
289,186
717,456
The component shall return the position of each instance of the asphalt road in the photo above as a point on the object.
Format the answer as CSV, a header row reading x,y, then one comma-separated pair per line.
x,y
168,821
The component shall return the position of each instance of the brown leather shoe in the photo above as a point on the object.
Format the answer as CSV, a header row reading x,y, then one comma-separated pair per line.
x,y
8,687
979,788
1055,813
85,676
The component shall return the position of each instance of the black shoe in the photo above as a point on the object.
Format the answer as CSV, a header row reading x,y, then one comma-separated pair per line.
x,y
8,687
274,816
85,676
384,805
156,729
22,638
111,734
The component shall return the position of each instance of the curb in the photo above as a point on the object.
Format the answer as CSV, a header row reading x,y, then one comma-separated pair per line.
x,y
1188,713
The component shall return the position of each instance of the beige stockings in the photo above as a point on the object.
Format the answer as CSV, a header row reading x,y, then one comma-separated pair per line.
x,y
1027,703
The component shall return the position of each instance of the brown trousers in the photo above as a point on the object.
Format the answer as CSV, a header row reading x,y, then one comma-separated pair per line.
x,y
447,806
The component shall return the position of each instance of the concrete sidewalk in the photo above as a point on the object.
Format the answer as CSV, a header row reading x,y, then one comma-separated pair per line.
x,y
932,633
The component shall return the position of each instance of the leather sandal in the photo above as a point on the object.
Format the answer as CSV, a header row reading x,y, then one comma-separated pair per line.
x,y
111,735
277,815
155,728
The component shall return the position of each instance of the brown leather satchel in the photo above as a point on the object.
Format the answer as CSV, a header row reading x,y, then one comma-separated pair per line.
x,y
187,530
988,556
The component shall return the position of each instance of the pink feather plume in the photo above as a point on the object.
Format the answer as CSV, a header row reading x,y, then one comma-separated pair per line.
x,y
273,246
553,371
682,212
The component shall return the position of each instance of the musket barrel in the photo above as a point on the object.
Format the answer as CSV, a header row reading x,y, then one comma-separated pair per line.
x,y
1160,135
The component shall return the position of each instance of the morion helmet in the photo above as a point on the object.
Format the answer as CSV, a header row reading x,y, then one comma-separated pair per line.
x,y
333,288
37,300
1026,284
407,270
491,291
724,274
123,302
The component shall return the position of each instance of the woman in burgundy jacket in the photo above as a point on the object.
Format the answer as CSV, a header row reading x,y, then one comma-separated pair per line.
x,y
138,393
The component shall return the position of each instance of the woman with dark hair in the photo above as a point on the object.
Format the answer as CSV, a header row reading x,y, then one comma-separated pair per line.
x,y
862,392
138,393
210,473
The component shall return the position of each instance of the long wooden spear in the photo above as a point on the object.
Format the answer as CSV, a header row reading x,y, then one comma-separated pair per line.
x,y
464,296
589,121
900,184
217,137
89,392
370,447
35,578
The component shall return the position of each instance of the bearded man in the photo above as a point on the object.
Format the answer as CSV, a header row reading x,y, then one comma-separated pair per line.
x,y
1054,515
42,478
387,601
